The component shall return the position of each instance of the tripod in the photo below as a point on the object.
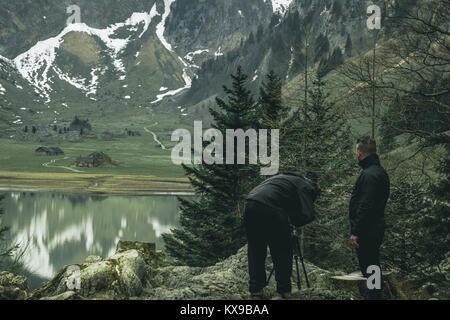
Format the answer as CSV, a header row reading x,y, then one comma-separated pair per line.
x,y
297,255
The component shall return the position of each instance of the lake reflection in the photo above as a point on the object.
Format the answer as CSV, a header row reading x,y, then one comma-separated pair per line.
x,y
64,229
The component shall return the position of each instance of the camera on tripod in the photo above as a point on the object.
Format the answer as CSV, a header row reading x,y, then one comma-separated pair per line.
x,y
297,254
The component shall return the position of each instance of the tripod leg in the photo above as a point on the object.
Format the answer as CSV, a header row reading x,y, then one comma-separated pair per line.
x,y
303,264
270,276
299,285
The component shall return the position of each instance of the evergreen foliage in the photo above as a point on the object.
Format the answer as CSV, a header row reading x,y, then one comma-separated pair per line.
x,y
212,227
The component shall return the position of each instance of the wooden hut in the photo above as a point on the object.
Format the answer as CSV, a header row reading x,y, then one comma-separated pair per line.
x,y
85,162
49,151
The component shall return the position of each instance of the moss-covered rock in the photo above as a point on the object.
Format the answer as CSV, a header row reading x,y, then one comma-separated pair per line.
x,y
227,280
119,277
137,271
13,287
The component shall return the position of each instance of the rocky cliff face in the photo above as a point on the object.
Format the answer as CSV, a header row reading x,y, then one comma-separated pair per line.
x,y
193,25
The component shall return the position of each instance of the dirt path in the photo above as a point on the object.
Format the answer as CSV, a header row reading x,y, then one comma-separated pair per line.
x,y
52,162
155,137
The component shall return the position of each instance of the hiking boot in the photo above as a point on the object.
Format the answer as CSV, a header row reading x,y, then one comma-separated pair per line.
x,y
257,295
283,296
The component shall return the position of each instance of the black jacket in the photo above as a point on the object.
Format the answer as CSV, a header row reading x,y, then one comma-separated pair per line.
x,y
369,199
292,193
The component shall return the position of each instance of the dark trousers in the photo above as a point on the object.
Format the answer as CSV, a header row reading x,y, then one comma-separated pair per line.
x,y
268,227
369,255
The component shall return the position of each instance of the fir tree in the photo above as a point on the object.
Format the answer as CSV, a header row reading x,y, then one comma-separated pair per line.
x,y
319,136
317,143
272,109
212,228
260,33
348,46
251,38
434,222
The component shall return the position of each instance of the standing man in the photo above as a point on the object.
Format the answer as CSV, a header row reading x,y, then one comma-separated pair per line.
x,y
270,210
367,206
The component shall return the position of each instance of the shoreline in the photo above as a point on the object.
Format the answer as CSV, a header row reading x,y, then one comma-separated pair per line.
x,y
97,184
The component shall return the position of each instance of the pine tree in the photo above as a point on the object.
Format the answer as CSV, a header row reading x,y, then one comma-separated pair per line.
x,y
260,33
321,134
348,46
317,143
251,38
272,109
434,223
212,228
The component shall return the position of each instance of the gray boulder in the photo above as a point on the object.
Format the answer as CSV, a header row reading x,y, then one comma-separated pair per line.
x,y
227,280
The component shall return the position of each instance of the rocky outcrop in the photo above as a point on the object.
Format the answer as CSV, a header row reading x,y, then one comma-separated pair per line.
x,y
118,277
193,25
138,272
223,281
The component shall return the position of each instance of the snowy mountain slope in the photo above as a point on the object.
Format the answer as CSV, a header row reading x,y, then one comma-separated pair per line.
x,y
35,64
88,57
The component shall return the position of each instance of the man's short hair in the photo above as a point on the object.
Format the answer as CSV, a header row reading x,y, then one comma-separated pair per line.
x,y
367,145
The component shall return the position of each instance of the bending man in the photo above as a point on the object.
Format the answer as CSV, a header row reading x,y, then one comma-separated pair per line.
x,y
270,209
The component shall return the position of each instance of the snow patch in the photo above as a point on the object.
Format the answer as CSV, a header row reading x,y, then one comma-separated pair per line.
x,y
188,85
190,56
2,90
291,63
161,27
92,88
280,6
219,52
6,60
89,89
